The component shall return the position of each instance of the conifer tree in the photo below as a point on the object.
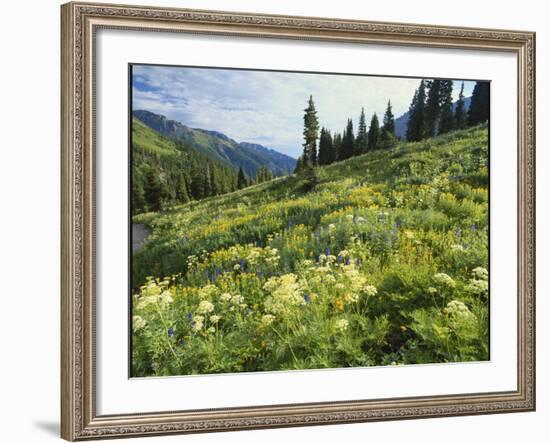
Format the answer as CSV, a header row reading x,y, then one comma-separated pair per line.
x,y
415,125
139,203
154,190
387,133
259,175
331,152
446,119
460,117
326,151
361,140
389,120
197,184
337,146
263,175
241,179
433,108
348,141
374,133
181,193
321,158
214,189
479,106
311,133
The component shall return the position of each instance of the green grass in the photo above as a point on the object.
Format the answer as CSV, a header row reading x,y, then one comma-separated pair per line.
x,y
150,141
382,262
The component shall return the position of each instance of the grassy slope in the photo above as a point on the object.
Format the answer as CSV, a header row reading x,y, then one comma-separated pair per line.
x,y
251,214
151,141
383,262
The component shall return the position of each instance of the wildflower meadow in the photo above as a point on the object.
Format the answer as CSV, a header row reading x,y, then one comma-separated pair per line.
x,y
381,259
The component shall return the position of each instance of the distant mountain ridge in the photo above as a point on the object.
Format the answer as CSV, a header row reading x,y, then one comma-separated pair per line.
x,y
216,145
402,122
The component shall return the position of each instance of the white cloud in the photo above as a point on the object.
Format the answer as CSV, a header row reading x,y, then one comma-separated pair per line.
x,y
262,106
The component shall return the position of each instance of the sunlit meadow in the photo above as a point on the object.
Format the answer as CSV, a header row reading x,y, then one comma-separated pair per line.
x,y
383,262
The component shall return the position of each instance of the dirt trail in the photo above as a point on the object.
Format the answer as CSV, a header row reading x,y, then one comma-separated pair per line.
x,y
139,235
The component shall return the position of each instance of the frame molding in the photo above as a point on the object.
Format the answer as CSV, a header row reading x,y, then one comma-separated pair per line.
x,y
79,22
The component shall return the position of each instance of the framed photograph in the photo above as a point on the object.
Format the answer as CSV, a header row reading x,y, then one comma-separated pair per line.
x,y
283,221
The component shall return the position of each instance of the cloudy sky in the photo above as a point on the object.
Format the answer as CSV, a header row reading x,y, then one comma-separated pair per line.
x,y
267,107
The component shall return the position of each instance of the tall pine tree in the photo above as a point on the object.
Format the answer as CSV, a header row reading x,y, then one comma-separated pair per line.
x,y
415,125
433,108
348,141
361,140
242,182
389,120
461,116
311,133
331,157
387,134
326,150
374,133
337,146
154,189
446,119
181,191
263,175
479,106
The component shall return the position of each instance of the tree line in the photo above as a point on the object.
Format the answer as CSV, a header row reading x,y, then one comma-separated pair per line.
x,y
159,182
432,112
347,144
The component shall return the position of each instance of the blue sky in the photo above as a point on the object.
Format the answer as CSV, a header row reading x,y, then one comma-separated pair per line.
x,y
267,107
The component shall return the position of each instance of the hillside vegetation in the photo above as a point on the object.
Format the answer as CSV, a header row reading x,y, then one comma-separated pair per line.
x,y
219,147
166,172
380,259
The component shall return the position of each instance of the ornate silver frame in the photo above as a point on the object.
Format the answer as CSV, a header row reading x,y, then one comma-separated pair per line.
x,y
80,21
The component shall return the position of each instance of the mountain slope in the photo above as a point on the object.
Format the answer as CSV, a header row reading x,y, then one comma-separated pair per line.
x,y
384,178
380,260
219,146
402,121
383,261
167,172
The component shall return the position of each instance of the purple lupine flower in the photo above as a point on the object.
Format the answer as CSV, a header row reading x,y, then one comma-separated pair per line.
x,y
190,316
358,262
347,260
170,332
339,259
306,298
327,252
